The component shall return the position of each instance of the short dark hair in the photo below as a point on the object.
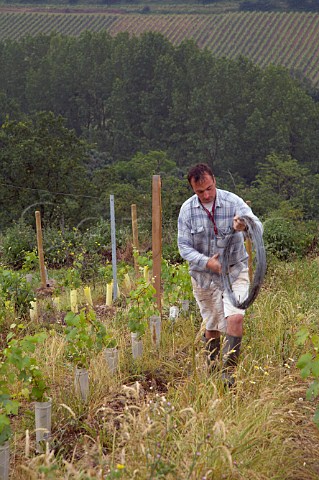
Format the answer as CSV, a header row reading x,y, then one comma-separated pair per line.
x,y
198,172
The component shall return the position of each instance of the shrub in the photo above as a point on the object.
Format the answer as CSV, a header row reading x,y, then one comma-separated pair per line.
x,y
60,246
98,237
15,288
286,239
16,242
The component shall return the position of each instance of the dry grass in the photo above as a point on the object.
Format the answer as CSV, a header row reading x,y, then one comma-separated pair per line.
x,y
166,416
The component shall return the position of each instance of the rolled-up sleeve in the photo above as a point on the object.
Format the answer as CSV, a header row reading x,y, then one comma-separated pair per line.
x,y
242,209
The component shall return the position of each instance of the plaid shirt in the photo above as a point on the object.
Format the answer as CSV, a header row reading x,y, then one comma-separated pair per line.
x,y
197,241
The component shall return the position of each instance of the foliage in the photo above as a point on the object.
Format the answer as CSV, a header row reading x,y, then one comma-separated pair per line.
x,y
31,261
63,245
286,239
96,237
136,174
177,28
259,5
33,150
186,405
177,283
15,288
60,246
80,342
282,183
106,272
16,241
103,338
8,407
303,5
85,335
72,277
147,107
18,364
140,306
308,364
18,354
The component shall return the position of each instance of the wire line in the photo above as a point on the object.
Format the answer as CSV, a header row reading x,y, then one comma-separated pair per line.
x,y
47,191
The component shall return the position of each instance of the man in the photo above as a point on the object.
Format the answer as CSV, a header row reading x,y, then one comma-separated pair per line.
x,y
204,224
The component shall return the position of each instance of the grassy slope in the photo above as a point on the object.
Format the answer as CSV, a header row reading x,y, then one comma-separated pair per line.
x,y
288,39
167,417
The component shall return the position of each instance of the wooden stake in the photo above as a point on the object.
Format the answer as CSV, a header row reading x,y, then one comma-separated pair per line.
x,y
157,237
250,253
135,235
40,249
113,240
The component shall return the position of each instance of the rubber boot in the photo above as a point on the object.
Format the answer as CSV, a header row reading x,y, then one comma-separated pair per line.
x,y
212,348
231,351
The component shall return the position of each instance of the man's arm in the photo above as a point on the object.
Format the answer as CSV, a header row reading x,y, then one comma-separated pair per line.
x,y
185,243
243,210
188,252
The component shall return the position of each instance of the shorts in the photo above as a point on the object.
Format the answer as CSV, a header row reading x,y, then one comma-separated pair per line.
x,y
215,306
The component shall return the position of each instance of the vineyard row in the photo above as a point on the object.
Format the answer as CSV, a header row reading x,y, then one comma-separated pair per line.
x,y
280,38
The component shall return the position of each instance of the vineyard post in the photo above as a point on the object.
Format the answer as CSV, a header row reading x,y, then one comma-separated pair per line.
x,y
40,249
135,236
157,236
250,253
113,240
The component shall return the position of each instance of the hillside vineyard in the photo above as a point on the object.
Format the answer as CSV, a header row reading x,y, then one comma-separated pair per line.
x,y
280,38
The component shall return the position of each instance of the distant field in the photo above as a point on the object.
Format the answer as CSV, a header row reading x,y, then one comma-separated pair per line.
x,y
281,38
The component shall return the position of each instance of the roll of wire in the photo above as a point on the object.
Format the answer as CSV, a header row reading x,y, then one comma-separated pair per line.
x,y
254,232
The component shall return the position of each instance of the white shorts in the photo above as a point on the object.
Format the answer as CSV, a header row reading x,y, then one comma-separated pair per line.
x,y
215,306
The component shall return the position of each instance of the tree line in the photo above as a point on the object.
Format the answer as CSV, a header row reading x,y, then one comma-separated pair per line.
x,y
278,5
263,5
83,117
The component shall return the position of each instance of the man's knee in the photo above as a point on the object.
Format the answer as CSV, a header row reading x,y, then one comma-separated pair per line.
x,y
235,322
212,334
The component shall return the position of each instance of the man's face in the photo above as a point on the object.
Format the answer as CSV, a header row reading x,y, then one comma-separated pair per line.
x,y
205,189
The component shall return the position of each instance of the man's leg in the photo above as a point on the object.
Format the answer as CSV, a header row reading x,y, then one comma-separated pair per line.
x,y
209,301
231,347
212,347
234,329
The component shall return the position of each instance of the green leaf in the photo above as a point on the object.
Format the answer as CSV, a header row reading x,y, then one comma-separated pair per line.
x,y
10,335
315,367
315,341
69,318
313,390
304,360
302,336
305,365
316,417
4,421
12,407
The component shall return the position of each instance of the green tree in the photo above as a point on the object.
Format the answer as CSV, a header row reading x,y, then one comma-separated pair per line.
x,y
284,119
8,108
283,185
131,182
42,165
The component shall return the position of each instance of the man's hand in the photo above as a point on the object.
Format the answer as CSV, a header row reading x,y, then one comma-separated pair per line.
x,y
238,224
213,264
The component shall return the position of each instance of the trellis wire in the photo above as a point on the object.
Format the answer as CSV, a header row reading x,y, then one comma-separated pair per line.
x,y
254,232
